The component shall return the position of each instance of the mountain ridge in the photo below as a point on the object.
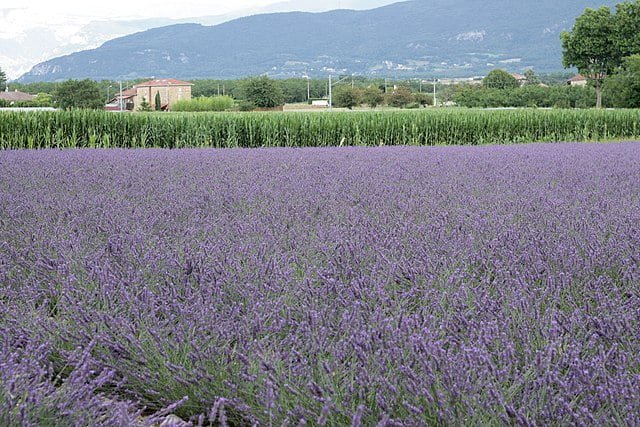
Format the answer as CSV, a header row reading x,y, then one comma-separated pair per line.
x,y
438,37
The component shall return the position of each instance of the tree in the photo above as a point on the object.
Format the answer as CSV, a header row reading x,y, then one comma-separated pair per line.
x,y
79,94
144,107
623,87
532,78
3,80
263,92
158,102
347,97
373,96
401,97
627,21
423,99
43,100
592,47
500,79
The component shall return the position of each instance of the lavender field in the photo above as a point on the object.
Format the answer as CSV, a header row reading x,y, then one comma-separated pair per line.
x,y
394,286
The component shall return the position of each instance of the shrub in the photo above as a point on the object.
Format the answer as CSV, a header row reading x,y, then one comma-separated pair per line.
x,y
203,103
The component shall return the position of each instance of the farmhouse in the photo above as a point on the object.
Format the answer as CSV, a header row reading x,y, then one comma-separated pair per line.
x,y
15,96
521,78
170,91
578,80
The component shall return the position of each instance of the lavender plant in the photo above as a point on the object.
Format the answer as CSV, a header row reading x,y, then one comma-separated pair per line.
x,y
357,286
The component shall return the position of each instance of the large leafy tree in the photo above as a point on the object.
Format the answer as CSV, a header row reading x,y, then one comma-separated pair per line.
x,y
400,97
628,28
79,94
348,97
500,79
592,47
263,92
373,96
3,80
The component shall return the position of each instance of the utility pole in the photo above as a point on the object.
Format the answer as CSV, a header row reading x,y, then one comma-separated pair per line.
x,y
120,99
420,85
385,85
331,84
330,94
308,79
435,104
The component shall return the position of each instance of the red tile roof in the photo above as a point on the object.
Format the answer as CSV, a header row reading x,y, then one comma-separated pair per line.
x,y
163,83
127,93
577,78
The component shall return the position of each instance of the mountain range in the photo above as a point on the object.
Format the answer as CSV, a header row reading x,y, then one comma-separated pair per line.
x,y
37,42
412,38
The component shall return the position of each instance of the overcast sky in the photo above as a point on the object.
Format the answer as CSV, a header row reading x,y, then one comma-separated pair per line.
x,y
18,16
32,31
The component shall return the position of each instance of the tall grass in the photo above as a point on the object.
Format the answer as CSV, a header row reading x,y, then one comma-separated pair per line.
x,y
95,129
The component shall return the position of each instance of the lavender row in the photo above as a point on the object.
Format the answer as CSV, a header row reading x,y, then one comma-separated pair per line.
x,y
355,286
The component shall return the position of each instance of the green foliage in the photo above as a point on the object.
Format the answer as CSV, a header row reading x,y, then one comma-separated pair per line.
x,y
623,88
158,102
79,94
43,100
372,96
246,106
400,97
592,47
532,78
500,79
3,80
84,128
555,78
423,99
628,28
263,92
347,97
203,103
144,107
210,88
527,96
295,90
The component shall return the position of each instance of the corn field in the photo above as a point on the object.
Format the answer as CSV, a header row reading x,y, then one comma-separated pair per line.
x,y
98,129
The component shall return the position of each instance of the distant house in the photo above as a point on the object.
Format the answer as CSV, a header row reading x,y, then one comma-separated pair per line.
x,y
170,90
578,80
16,96
521,78
128,103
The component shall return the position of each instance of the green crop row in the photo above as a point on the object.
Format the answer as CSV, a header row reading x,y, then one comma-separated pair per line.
x,y
95,129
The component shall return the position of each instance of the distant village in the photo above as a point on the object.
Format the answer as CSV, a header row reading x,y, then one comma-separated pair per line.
x,y
163,93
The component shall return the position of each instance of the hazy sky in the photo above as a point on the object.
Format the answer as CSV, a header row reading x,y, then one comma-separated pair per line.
x,y
32,31
18,16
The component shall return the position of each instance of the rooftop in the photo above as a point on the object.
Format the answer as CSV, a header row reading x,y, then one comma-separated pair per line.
x,y
16,96
163,83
